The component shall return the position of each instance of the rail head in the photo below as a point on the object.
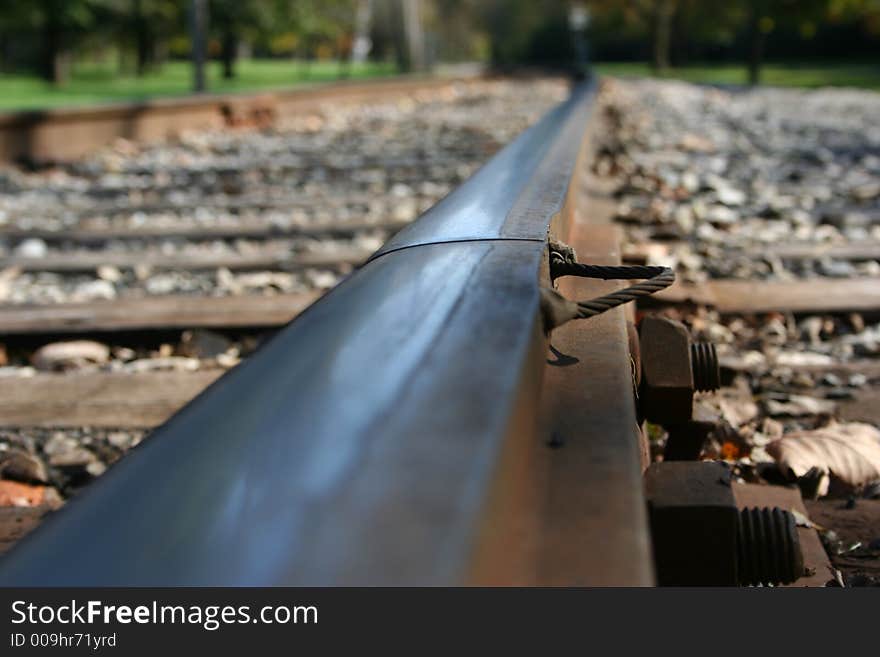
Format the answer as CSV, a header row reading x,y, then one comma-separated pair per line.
x,y
366,442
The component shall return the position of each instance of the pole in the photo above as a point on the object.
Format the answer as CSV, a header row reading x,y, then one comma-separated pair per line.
x,y
361,47
578,21
199,28
412,28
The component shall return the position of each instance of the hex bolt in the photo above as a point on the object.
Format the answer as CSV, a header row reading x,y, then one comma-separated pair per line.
x,y
667,383
673,368
701,538
704,364
768,548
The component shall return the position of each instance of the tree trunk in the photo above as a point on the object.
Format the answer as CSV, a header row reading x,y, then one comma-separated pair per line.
x,y
144,50
54,69
309,55
141,38
229,53
756,44
678,50
343,61
413,35
663,13
122,55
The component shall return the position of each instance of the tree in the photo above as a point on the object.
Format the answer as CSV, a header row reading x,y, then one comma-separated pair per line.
x,y
766,16
708,27
232,21
60,25
651,18
760,24
512,26
143,26
339,21
413,34
320,25
663,12
149,23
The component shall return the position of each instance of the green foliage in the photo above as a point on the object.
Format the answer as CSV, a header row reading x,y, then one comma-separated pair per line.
x,y
140,35
316,22
248,18
70,14
524,30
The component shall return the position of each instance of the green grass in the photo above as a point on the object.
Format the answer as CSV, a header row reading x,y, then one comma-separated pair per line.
x,y
91,84
99,83
814,74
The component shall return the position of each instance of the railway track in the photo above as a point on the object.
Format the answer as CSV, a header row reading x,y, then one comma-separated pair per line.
x,y
252,256
542,178
554,450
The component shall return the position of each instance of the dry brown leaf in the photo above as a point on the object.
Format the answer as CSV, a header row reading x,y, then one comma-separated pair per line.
x,y
849,453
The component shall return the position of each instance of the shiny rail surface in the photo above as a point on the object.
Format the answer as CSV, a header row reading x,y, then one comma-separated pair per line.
x,y
370,441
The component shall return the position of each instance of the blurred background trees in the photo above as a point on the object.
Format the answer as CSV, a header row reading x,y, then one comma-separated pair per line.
x,y
138,37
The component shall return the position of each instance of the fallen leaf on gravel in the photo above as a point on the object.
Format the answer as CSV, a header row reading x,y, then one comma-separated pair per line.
x,y
849,453
796,405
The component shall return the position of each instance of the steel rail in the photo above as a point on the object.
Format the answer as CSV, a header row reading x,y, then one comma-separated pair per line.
x,y
377,439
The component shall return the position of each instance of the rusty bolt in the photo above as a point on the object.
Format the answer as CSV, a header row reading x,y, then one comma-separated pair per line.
x,y
701,538
768,548
704,366
667,380
673,368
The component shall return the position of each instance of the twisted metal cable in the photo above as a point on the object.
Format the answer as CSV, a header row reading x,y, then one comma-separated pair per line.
x,y
658,278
